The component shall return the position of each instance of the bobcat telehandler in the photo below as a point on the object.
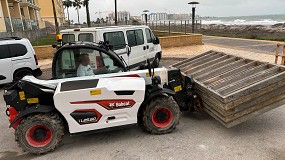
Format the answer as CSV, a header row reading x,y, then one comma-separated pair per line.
x,y
40,110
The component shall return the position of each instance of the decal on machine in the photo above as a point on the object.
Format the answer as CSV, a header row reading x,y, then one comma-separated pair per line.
x,y
86,116
111,104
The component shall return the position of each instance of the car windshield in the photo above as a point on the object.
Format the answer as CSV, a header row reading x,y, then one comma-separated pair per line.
x,y
78,62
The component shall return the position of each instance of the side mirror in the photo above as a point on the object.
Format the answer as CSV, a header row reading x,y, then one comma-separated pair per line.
x,y
156,40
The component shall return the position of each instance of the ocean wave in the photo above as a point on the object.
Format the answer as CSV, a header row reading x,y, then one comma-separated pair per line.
x,y
243,22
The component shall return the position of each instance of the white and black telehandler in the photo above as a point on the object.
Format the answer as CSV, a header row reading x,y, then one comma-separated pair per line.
x,y
41,110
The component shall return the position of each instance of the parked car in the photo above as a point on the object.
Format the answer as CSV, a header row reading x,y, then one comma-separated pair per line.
x,y
135,44
17,59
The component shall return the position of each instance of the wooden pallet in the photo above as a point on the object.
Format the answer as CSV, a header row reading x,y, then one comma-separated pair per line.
x,y
234,89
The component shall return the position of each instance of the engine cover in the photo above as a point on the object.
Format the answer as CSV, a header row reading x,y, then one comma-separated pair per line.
x,y
90,104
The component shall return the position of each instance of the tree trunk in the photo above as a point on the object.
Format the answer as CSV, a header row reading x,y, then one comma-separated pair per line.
x,y
55,18
78,15
88,14
68,17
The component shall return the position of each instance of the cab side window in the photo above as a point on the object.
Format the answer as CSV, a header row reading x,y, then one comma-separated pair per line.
x,y
84,62
86,37
149,36
135,37
68,38
115,39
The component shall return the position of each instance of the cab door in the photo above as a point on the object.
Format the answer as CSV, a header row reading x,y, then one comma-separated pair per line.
x,y
6,75
138,47
151,48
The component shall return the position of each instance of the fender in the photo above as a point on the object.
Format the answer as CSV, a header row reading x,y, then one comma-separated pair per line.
x,y
159,91
32,110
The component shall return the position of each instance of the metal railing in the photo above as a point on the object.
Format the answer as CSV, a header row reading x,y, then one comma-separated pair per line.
x,y
8,24
27,24
17,24
34,24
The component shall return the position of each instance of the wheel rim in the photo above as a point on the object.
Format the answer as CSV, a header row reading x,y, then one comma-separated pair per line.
x,y
38,136
162,117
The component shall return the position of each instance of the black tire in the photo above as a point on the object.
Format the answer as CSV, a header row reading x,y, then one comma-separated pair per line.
x,y
156,61
160,116
21,73
40,133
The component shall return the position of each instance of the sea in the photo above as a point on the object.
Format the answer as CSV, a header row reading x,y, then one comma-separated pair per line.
x,y
246,20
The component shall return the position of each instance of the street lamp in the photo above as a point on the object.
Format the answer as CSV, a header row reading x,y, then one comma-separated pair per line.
x,y
145,15
193,13
116,13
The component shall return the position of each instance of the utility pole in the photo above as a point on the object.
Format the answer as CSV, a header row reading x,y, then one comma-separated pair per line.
x,y
55,18
116,13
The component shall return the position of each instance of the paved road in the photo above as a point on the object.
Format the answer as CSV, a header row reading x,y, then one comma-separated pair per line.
x,y
198,136
247,44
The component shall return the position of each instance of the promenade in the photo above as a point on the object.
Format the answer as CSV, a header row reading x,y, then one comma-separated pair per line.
x,y
252,49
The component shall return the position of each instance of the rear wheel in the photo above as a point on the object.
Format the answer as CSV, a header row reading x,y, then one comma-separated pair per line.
x,y
21,73
41,133
161,115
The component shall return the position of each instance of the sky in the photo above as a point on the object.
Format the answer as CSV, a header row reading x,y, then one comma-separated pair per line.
x,y
218,8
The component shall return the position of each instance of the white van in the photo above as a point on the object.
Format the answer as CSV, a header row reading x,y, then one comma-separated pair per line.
x,y
139,41
17,59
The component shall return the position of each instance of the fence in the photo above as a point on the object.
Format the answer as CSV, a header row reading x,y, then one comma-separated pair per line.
x,y
183,26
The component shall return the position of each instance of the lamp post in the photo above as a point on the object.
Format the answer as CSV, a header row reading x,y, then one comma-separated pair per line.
x,y
145,15
193,13
116,13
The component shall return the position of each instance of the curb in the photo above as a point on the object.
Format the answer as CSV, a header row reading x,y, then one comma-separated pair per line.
x,y
175,58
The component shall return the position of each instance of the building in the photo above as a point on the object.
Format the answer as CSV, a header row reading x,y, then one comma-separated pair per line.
x,y
20,15
122,16
158,16
46,12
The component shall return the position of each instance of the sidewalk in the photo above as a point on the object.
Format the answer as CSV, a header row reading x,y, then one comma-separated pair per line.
x,y
251,49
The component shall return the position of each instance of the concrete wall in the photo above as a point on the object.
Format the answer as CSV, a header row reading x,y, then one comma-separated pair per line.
x,y
31,34
182,40
44,52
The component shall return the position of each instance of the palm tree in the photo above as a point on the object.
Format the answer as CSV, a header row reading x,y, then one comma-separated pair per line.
x,y
86,5
77,4
67,4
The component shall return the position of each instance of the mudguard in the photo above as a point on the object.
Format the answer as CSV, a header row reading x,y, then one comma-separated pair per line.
x,y
158,92
32,110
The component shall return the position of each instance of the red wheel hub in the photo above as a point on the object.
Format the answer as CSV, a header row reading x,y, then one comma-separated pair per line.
x,y
162,117
38,136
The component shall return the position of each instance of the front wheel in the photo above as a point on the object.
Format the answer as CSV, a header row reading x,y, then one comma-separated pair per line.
x,y
161,115
41,133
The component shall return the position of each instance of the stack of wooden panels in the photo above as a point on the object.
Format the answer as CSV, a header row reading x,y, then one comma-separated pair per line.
x,y
234,89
